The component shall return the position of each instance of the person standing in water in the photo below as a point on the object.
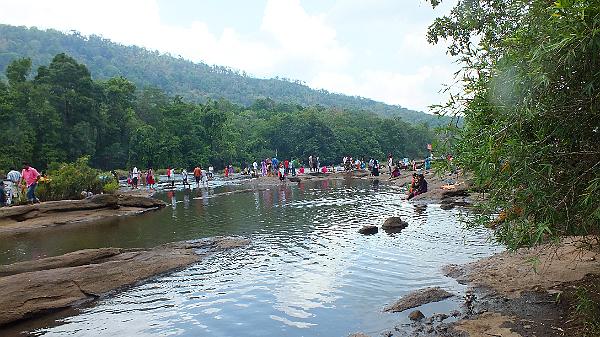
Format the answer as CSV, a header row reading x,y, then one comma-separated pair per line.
x,y
197,175
184,178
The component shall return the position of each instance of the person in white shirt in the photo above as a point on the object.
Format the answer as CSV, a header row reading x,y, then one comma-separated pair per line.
x,y
135,176
184,178
205,178
13,190
210,171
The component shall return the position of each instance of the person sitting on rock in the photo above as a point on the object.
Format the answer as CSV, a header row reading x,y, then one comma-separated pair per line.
x,y
414,184
396,172
420,189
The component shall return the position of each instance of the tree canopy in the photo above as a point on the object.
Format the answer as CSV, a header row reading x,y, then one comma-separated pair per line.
x,y
62,114
196,82
530,103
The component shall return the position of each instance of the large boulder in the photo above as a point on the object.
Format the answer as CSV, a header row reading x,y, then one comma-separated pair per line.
x,y
394,222
417,298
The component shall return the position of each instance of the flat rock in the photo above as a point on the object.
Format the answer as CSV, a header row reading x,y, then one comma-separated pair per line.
x,y
417,298
359,334
78,258
368,229
35,287
394,222
294,179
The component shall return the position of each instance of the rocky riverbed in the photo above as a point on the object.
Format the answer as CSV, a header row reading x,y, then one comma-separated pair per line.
x,y
530,292
36,287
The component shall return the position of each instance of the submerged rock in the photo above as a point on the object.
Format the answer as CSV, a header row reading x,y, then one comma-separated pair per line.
x,y
394,222
294,179
417,298
368,230
416,315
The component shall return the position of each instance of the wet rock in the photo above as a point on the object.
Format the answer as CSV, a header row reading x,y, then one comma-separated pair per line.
x,y
359,334
417,298
294,179
453,270
394,222
440,317
368,229
74,259
455,313
416,315
139,201
53,283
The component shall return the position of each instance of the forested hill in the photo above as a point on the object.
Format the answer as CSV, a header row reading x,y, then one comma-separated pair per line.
x,y
176,76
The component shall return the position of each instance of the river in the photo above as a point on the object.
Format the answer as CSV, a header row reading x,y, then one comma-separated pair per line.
x,y
307,271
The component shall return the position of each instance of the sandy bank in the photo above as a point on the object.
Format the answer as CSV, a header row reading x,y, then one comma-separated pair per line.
x,y
19,219
34,287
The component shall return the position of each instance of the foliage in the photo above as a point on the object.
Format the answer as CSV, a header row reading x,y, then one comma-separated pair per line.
x,y
68,180
588,310
531,79
63,114
197,82
111,187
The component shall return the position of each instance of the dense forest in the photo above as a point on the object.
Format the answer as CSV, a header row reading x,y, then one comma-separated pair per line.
x,y
196,82
61,114
531,75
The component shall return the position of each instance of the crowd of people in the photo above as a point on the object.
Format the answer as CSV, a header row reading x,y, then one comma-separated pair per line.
x,y
25,182
147,179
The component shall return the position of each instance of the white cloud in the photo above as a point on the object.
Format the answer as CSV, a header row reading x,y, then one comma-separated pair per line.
x,y
412,90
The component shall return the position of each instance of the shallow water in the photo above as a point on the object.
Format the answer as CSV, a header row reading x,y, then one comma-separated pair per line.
x,y
307,271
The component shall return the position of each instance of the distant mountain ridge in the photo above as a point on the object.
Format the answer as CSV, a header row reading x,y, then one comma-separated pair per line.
x,y
177,76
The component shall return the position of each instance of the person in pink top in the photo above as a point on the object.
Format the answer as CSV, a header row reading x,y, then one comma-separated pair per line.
x,y
31,177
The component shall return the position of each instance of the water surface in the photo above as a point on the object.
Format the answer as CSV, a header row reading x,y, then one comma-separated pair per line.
x,y
307,271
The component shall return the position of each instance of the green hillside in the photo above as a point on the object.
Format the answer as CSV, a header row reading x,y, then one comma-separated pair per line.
x,y
176,76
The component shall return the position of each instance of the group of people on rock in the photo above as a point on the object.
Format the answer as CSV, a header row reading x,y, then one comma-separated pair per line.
x,y
147,179
18,183
138,177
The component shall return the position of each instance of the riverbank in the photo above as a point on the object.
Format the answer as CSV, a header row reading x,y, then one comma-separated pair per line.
x,y
32,288
21,219
530,292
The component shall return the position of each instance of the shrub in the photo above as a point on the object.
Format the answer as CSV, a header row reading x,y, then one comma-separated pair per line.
x,y
67,180
111,187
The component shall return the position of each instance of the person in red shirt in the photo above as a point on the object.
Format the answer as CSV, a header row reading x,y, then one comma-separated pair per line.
x,y
31,177
286,165
197,175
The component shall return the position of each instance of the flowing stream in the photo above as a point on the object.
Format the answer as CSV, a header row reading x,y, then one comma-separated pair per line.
x,y
307,271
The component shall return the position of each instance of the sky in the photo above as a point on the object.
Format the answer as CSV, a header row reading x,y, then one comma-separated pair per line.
x,y
370,48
